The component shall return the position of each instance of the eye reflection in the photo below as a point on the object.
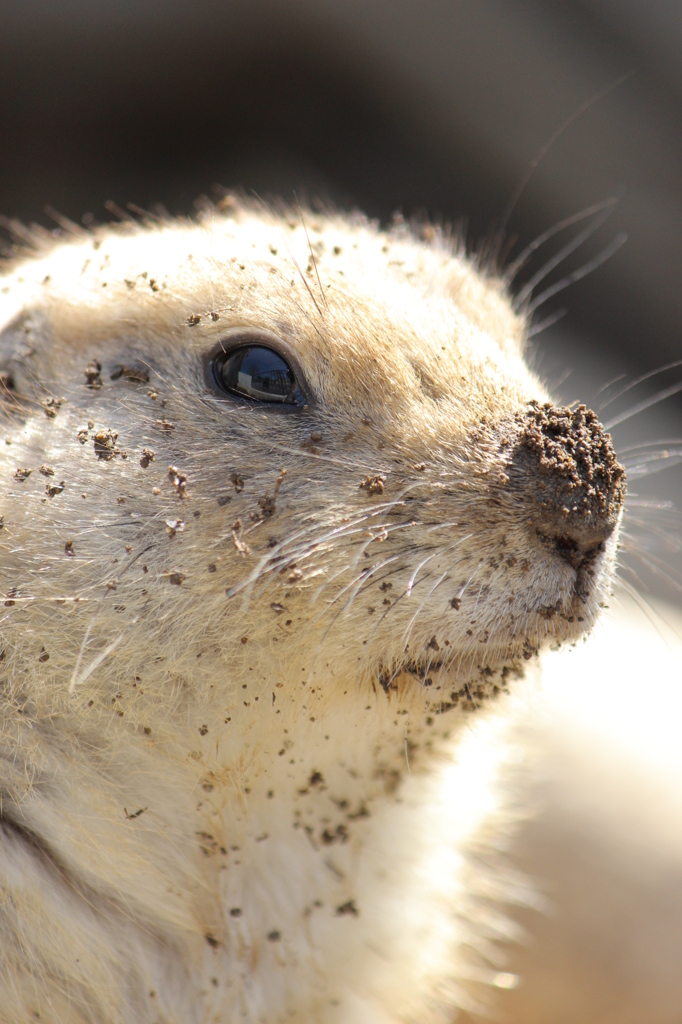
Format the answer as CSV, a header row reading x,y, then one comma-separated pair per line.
x,y
258,373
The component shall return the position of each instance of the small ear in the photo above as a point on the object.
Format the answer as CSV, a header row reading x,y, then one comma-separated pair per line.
x,y
21,341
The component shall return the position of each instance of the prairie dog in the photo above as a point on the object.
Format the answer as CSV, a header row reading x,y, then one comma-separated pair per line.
x,y
284,513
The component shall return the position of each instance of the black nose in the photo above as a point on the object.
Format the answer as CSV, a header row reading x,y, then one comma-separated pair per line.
x,y
573,484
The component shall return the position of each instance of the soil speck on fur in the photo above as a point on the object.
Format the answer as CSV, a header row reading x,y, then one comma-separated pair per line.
x,y
93,378
105,444
373,484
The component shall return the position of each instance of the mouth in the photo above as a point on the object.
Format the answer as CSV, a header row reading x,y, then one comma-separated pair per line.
x,y
468,676
550,598
583,559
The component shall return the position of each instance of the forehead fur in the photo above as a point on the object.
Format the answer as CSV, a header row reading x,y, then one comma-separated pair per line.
x,y
365,311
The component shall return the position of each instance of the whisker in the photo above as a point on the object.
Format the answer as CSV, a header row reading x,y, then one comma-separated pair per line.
x,y
95,663
408,631
575,218
357,583
645,607
461,591
478,598
661,444
344,568
664,539
674,543
381,619
441,526
563,253
385,576
576,275
405,594
389,529
361,581
330,627
300,272
609,384
335,533
553,318
659,506
656,568
638,380
578,112
266,561
655,462
312,254
634,410
410,584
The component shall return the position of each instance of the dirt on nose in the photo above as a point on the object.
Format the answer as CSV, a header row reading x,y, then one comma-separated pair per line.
x,y
576,457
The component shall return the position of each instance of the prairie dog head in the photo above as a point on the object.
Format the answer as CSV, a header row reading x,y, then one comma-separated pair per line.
x,y
304,453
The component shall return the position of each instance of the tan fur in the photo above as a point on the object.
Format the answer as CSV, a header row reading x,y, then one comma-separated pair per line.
x,y
227,798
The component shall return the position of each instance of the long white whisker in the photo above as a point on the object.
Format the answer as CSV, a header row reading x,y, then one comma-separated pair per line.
x,y
77,680
673,542
656,568
544,149
638,380
575,218
542,325
358,582
361,466
578,274
645,607
408,631
406,593
266,561
634,410
563,253
413,577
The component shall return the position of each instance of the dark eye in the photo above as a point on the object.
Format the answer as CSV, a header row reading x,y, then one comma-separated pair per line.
x,y
259,373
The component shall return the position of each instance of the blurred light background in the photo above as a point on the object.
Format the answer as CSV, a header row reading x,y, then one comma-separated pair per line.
x,y
439,107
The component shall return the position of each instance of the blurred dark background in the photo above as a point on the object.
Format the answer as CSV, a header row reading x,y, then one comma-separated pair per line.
x,y
436,107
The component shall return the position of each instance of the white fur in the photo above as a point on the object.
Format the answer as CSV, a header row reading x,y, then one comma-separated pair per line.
x,y
300,854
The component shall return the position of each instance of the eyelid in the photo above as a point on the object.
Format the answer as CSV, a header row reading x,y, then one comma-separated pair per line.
x,y
256,337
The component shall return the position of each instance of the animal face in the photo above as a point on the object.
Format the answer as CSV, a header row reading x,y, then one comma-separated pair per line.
x,y
254,429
